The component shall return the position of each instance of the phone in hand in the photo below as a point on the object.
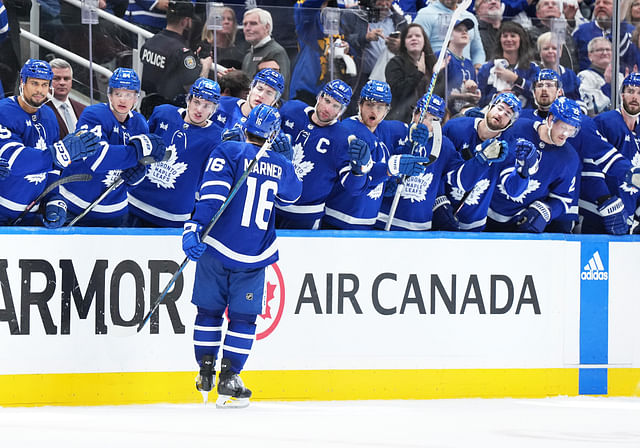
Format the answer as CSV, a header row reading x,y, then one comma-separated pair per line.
x,y
395,34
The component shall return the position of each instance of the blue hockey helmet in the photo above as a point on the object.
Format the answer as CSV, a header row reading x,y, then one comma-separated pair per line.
x,y
205,89
263,121
510,100
436,106
632,79
546,74
339,91
271,78
377,91
35,68
124,78
566,110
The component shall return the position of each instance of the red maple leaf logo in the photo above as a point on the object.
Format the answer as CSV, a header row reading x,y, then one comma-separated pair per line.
x,y
271,288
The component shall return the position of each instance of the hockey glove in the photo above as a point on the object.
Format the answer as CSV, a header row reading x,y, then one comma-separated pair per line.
x,y
4,169
149,148
282,145
360,156
443,218
192,246
535,218
234,134
633,177
613,215
74,147
55,213
492,151
419,134
134,175
407,165
526,157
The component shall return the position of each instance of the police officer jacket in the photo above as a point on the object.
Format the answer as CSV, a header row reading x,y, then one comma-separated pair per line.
x,y
168,65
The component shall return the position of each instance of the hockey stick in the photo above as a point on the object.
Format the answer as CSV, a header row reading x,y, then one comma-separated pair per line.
x,y
437,131
154,306
148,160
49,189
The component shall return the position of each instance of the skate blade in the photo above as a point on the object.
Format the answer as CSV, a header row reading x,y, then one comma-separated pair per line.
x,y
205,396
227,401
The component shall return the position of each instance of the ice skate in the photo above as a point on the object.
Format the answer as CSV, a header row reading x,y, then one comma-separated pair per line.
x,y
231,390
206,377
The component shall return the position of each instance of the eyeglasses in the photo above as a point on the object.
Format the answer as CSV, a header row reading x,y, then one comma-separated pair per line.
x,y
601,50
546,85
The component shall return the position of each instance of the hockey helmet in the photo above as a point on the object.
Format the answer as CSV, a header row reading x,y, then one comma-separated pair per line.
x,y
632,79
546,74
35,68
377,91
270,77
339,91
263,121
566,110
205,89
510,100
124,78
435,107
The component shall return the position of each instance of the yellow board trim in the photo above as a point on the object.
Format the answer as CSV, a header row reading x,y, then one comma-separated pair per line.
x,y
294,385
624,382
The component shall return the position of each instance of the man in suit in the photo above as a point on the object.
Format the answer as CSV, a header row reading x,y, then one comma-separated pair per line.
x,y
66,110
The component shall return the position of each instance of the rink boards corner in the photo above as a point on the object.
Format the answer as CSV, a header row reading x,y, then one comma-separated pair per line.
x,y
347,316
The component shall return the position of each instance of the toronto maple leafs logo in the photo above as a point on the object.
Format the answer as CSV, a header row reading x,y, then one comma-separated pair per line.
x,y
302,167
164,174
41,144
625,186
376,193
474,196
415,187
164,126
111,177
532,186
36,178
288,123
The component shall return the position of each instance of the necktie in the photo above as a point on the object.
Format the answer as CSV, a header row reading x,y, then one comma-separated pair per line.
x,y
66,114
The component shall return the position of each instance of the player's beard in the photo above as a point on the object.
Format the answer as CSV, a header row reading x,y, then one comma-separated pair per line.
x,y
632,110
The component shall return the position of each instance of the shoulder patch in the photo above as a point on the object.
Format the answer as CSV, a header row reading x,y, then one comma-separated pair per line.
x,y
190,62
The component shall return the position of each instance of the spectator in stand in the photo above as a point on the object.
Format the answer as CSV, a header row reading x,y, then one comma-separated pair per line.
x,y
458,83
511,70
600,26
489,15
549,19
548,51
633,14
409,72
595,81
257,26
435,18
228,53
148,14
67,110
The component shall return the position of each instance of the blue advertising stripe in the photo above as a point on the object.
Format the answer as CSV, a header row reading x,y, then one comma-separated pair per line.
x,y
594,315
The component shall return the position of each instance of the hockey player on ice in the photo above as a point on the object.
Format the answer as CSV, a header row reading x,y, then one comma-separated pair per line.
x,y
125,141
546,183
32,154
232,258
167,195
421,199
466,133
369,155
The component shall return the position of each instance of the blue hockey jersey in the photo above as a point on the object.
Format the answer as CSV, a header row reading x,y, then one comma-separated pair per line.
x,y
228,113
106,165
320,159
554,182
245,235
167,194
24,139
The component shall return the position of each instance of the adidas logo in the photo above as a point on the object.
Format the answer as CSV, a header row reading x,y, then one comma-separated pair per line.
x,y
594,269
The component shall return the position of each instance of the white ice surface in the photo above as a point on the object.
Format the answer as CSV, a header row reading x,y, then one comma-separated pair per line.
x,y
553,422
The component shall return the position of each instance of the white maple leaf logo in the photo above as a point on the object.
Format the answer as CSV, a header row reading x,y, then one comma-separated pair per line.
x,y
376,193
415,187
41,144
164,174
532,186
111,177
474,197
302,167
625,186
36,178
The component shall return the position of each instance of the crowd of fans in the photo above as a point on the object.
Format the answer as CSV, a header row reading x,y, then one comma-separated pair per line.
x,y
504,60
